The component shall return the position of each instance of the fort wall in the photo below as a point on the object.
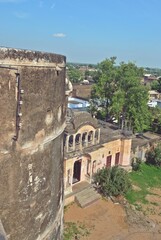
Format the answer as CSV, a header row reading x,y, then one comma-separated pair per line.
x,y
32,122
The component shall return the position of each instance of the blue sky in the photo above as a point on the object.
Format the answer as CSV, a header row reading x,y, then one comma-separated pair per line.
x,y
85,31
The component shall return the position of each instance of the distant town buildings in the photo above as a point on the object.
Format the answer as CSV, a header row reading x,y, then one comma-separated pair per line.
x,y
149,79
78,104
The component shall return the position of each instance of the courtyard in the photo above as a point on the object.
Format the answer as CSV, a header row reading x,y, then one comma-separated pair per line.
x,y
108,221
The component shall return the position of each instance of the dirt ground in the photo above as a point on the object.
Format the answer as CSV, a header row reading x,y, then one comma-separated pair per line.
x,y
153,208
108,221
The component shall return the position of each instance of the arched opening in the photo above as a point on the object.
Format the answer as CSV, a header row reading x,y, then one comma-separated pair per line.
x,y
71,142
90,137
77,171
78,140
84,139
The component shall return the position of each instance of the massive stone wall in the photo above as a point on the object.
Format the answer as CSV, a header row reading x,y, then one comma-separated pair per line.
x,y
32,122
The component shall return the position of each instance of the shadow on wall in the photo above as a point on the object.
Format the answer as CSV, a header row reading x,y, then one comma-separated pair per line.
x,y
2,232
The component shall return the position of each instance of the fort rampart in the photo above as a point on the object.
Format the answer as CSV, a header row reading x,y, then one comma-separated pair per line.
x,y
32,122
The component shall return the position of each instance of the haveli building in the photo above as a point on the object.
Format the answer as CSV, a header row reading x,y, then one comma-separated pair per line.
x,y
90,145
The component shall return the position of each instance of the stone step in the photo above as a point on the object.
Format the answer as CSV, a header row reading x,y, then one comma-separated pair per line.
x,y
88,201
85,192
87,197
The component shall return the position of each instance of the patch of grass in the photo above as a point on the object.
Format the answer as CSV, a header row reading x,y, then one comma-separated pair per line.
x,y
68,206
74,230
148,177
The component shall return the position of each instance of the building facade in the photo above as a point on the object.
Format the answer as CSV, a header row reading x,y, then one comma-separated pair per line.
x,y
33,110
89,146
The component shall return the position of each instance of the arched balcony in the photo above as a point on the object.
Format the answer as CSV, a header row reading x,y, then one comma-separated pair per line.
x,y
81,140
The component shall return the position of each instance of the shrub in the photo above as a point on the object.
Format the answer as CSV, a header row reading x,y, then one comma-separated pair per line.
x,y
113,181
153,156
136,164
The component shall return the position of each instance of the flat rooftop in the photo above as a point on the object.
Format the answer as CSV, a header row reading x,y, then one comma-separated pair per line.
x,y
145,138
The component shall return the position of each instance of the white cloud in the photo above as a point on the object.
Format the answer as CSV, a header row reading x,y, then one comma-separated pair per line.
x,y
59,35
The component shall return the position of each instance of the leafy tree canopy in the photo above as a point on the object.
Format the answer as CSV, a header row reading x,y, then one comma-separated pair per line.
x,y
74,74
156,85
155,119
120,94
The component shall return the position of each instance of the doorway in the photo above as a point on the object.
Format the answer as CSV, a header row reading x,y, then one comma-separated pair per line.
x,y
117,158
108,161
77,171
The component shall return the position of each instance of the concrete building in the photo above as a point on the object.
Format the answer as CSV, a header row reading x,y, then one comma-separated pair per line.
x,y
33,110
149,79
142,143
153,95
78,104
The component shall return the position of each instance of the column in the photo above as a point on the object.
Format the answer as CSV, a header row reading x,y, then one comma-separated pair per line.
x,y
93,140
74,135
98,135
86,140
67,143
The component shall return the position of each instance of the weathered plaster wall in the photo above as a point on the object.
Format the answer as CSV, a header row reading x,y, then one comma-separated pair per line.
x,y
126,152
83,91
99,156
31,165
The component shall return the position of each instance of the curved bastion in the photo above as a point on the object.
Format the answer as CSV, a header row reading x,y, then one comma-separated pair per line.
x,y
32,122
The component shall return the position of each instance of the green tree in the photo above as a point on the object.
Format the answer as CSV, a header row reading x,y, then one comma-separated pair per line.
x,y
74,74
121,94
104,88
154,85
113,181
155,119
159,85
